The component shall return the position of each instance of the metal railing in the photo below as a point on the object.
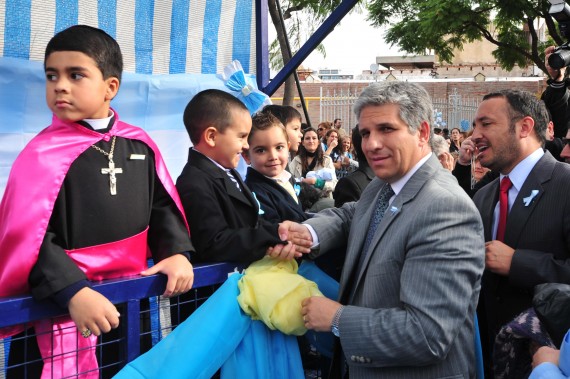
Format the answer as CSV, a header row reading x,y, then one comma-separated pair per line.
x,y
127,291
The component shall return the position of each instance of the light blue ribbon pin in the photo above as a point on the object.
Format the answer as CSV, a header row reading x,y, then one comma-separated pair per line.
x,y
527,200
261,211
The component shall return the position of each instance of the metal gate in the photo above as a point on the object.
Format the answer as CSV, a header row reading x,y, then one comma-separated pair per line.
x,y
455,111
338,104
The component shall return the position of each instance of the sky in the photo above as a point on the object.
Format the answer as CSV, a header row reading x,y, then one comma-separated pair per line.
x,y
352,46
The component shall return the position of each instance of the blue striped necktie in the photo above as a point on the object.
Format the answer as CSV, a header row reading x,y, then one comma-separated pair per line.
x,y
381,205
233,179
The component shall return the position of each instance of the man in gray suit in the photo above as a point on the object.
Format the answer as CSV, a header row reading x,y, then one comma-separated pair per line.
x,y
415,251
534,244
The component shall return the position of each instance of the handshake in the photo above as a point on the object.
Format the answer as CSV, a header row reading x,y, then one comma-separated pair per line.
x,y
297,240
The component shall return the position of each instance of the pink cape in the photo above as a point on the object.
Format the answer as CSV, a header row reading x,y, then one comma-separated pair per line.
x,y
33,186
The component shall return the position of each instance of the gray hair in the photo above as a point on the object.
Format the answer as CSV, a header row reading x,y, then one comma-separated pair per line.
x,y
413,100
438,145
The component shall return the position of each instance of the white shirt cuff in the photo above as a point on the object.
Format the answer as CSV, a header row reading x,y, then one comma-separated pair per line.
x,y
313,236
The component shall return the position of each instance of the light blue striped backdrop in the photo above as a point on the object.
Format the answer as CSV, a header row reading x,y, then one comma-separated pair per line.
x,y
172,50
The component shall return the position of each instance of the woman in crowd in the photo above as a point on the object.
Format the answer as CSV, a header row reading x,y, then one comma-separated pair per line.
x,y
468,171
455,140
342,157
311,160
331,141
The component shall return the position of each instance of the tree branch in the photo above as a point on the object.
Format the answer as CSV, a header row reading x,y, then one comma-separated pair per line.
x,y
534,45
489,37
290,10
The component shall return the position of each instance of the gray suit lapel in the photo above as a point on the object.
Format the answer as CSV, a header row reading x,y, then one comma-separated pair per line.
x,y
358,230
397,208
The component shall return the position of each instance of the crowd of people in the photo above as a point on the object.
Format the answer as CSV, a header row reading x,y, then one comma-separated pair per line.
x,y
421,231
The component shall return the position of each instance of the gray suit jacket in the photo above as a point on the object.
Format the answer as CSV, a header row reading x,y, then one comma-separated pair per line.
x,y
540,235
409,310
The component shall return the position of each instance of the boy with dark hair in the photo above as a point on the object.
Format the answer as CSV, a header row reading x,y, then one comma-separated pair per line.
x,y
222,212
102,199
266,177
291,120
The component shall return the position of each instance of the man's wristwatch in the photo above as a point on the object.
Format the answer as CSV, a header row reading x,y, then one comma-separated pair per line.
x,y
336,319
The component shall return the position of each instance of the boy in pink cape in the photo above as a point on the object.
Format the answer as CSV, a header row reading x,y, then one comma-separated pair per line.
x,y
89,198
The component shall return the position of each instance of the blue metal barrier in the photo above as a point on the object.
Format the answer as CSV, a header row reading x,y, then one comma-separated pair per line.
x,y
127,291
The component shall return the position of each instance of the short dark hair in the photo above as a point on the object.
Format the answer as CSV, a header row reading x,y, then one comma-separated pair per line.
x,y
211,107
285,113
263,121
94,43
522,104
357,145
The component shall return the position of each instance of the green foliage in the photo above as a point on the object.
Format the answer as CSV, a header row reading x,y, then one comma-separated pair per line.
x,y
444,25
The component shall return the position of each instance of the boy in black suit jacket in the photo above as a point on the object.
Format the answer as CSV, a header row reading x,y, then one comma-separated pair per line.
x,y
222,213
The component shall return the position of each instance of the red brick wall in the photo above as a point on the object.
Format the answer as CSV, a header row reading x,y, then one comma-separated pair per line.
x,y
436,89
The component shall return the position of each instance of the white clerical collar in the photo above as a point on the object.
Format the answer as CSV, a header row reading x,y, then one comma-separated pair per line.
x,y
400,183
100,123
520,172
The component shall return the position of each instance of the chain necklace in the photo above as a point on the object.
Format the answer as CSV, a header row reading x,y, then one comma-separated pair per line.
x,y
111,170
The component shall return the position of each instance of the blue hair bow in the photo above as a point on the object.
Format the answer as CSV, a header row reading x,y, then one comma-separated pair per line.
x,y
244,88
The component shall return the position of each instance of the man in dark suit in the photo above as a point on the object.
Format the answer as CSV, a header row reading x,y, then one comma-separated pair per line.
x,y
528,230
414,255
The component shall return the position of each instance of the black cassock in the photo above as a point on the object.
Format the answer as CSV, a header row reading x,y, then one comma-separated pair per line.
x,y
86,214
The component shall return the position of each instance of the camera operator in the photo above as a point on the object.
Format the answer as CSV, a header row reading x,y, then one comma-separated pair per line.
x,y
557,99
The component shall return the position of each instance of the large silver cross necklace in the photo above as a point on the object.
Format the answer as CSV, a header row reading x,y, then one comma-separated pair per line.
x,y
111,170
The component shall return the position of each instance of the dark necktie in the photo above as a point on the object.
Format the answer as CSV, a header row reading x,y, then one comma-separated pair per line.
x,y
506,184
381,205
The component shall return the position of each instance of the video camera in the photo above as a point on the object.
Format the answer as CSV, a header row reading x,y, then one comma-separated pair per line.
x,y
560,11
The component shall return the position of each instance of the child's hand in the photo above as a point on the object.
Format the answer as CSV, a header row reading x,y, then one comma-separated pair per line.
x,y
284,252
91,310
179,271
310,181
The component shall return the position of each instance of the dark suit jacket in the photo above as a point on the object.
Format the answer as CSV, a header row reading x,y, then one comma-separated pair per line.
x,y
224,222
351,186
540,235
276,203
557,100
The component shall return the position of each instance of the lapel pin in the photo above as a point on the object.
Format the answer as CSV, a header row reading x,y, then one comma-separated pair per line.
x,y
394,210
528,200
261,211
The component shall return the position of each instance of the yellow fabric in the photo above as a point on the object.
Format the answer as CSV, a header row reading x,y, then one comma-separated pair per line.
x,y
272,291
